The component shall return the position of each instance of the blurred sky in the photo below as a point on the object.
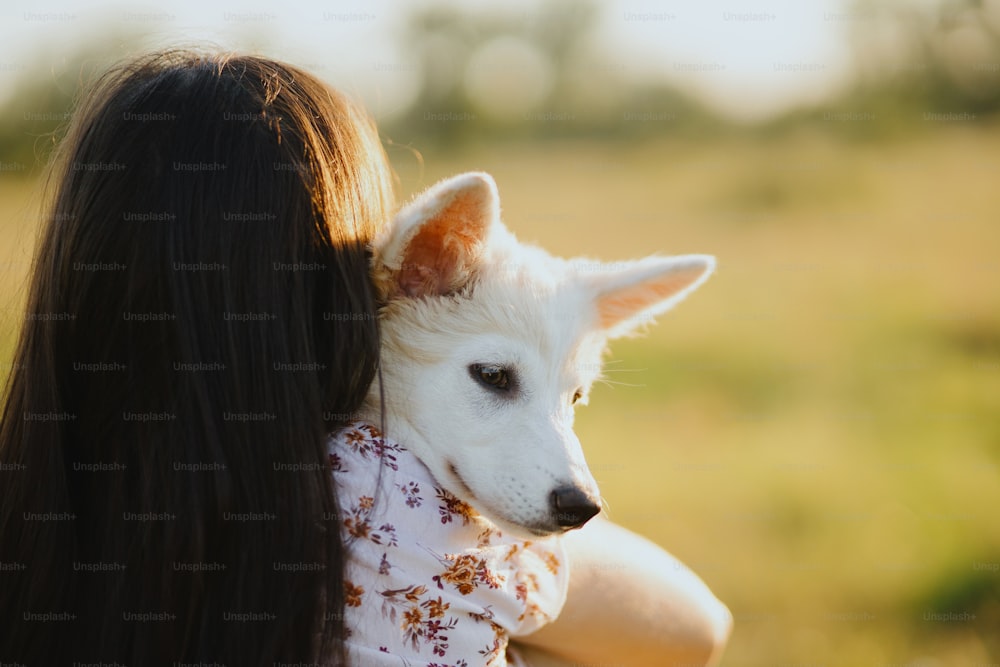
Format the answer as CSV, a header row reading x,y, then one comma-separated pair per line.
x,y
746,59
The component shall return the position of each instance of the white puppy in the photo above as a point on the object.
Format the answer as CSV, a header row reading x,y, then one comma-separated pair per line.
x,y
489,343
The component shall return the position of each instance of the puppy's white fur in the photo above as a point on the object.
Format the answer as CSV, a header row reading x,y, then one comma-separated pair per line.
x,y
461,292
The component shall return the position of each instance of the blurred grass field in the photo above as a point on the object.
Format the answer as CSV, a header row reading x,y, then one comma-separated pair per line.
x,y
815,432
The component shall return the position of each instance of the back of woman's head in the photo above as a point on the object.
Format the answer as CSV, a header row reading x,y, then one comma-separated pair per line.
x,y
199,317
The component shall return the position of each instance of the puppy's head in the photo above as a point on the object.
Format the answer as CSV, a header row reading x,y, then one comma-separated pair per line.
x,y
488,344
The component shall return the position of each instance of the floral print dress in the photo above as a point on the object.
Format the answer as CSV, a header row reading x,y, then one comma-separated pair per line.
x,y
429,582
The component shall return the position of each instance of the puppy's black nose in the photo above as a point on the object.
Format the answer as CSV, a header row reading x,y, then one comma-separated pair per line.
x,y
572,507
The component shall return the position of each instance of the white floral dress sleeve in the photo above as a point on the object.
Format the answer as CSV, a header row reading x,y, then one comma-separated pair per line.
x,y
428,581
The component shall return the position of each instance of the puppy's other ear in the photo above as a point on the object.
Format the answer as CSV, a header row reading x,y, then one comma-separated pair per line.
x,y
432,245
630,296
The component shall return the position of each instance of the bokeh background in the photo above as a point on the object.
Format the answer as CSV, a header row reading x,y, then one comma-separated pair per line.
x,y
816,432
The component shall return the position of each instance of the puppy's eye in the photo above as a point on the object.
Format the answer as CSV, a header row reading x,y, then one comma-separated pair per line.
x,y
577,396
492,376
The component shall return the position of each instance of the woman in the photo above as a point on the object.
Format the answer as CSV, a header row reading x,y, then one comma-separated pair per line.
x,y
165,497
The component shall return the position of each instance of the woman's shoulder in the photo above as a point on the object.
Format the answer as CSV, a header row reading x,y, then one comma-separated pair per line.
x,y
380,485
427,573
363,445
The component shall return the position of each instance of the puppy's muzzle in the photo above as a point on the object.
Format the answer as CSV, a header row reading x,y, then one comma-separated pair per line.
x,y
572,507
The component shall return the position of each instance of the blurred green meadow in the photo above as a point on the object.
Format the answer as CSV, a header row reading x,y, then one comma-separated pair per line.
x,y
815,432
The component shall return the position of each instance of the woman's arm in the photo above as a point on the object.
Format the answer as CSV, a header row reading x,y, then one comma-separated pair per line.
x,y
630,603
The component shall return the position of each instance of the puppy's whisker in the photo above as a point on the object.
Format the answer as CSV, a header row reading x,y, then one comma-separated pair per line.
x,y
613,383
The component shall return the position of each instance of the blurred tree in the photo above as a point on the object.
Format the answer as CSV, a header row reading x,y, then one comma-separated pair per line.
x,y
33,116
529,73
538,71
920,60
918,66
30,117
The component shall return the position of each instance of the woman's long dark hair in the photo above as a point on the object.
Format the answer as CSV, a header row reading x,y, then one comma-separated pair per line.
x,y
199,318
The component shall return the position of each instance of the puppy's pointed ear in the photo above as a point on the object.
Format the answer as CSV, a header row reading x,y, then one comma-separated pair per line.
x,y
432,245
630,296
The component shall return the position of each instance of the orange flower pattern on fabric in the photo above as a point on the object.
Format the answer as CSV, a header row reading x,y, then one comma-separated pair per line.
x,y
352,594
429,582
466,572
